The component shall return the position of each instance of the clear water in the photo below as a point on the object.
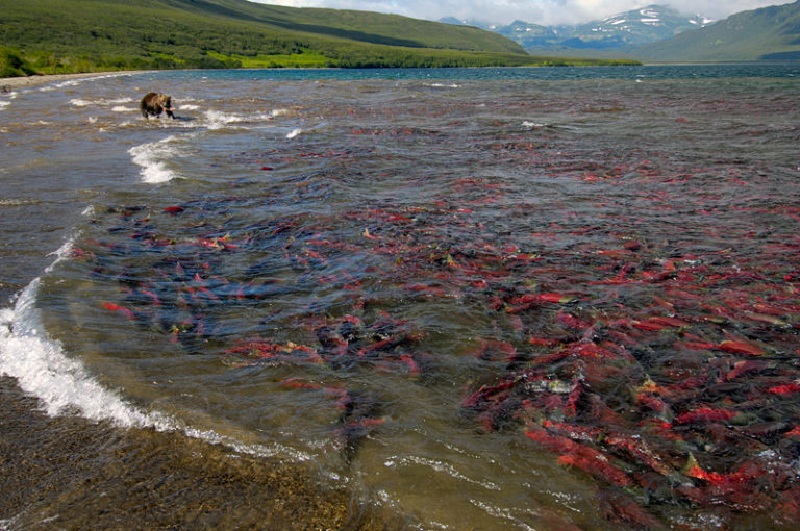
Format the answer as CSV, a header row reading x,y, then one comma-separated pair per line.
x,y
520,298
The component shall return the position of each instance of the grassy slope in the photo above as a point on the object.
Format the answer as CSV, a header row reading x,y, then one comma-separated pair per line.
x,y
363,26
767,33
61,36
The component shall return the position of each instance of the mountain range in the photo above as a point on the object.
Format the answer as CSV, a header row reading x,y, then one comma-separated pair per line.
x,y
765,34
635,27
661,33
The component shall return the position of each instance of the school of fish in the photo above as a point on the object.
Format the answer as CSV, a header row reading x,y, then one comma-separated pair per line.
x,y
655,352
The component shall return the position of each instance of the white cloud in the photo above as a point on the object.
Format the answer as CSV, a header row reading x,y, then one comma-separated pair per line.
x,y
535,11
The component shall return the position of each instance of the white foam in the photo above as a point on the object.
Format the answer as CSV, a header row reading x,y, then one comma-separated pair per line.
x,y
42,369
263,117
10,523
294,133
117,103
122,108
62,253
274,113
152,158
501,512
218,119
441,467
533,125
18,202
79,80
258,450
63,386
4,104
67,83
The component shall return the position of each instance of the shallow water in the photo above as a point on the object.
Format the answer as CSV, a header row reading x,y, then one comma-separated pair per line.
x,y
524,298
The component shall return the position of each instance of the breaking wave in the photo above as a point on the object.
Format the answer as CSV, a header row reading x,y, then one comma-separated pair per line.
x,y
43,369
153,159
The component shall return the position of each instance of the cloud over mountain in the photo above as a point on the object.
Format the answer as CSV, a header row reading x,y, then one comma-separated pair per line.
x,y
534,11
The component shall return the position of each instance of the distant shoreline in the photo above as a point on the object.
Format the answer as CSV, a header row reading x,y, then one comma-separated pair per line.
x,y
26,81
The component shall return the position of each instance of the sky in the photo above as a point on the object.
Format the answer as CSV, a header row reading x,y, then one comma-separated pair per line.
x,y
534,11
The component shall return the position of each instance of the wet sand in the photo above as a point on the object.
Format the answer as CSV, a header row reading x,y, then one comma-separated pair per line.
x,y
170,481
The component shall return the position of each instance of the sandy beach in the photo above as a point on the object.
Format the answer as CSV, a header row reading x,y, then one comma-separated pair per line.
x,y
9,83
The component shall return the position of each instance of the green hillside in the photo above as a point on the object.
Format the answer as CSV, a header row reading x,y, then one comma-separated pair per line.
x,y
769,33
64,36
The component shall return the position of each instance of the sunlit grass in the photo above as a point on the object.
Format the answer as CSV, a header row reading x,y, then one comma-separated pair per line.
x,y
308,59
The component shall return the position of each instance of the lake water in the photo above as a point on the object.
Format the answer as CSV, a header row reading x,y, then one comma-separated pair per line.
x,y
484,299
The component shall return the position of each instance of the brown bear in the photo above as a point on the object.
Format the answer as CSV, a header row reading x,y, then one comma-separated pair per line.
x,y
153,104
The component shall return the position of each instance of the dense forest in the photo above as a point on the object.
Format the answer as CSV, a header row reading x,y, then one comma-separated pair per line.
x,y
60,36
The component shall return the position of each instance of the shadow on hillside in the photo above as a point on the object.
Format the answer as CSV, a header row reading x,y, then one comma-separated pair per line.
x,y
311,28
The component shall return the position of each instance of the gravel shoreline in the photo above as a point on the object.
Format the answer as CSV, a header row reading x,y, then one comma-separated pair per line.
x,y
8,83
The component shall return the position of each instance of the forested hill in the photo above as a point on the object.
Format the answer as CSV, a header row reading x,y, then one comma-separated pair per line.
x,y
768,33
62,36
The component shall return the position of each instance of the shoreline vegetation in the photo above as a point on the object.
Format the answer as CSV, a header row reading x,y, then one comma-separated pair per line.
x,y
16,63
52,37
